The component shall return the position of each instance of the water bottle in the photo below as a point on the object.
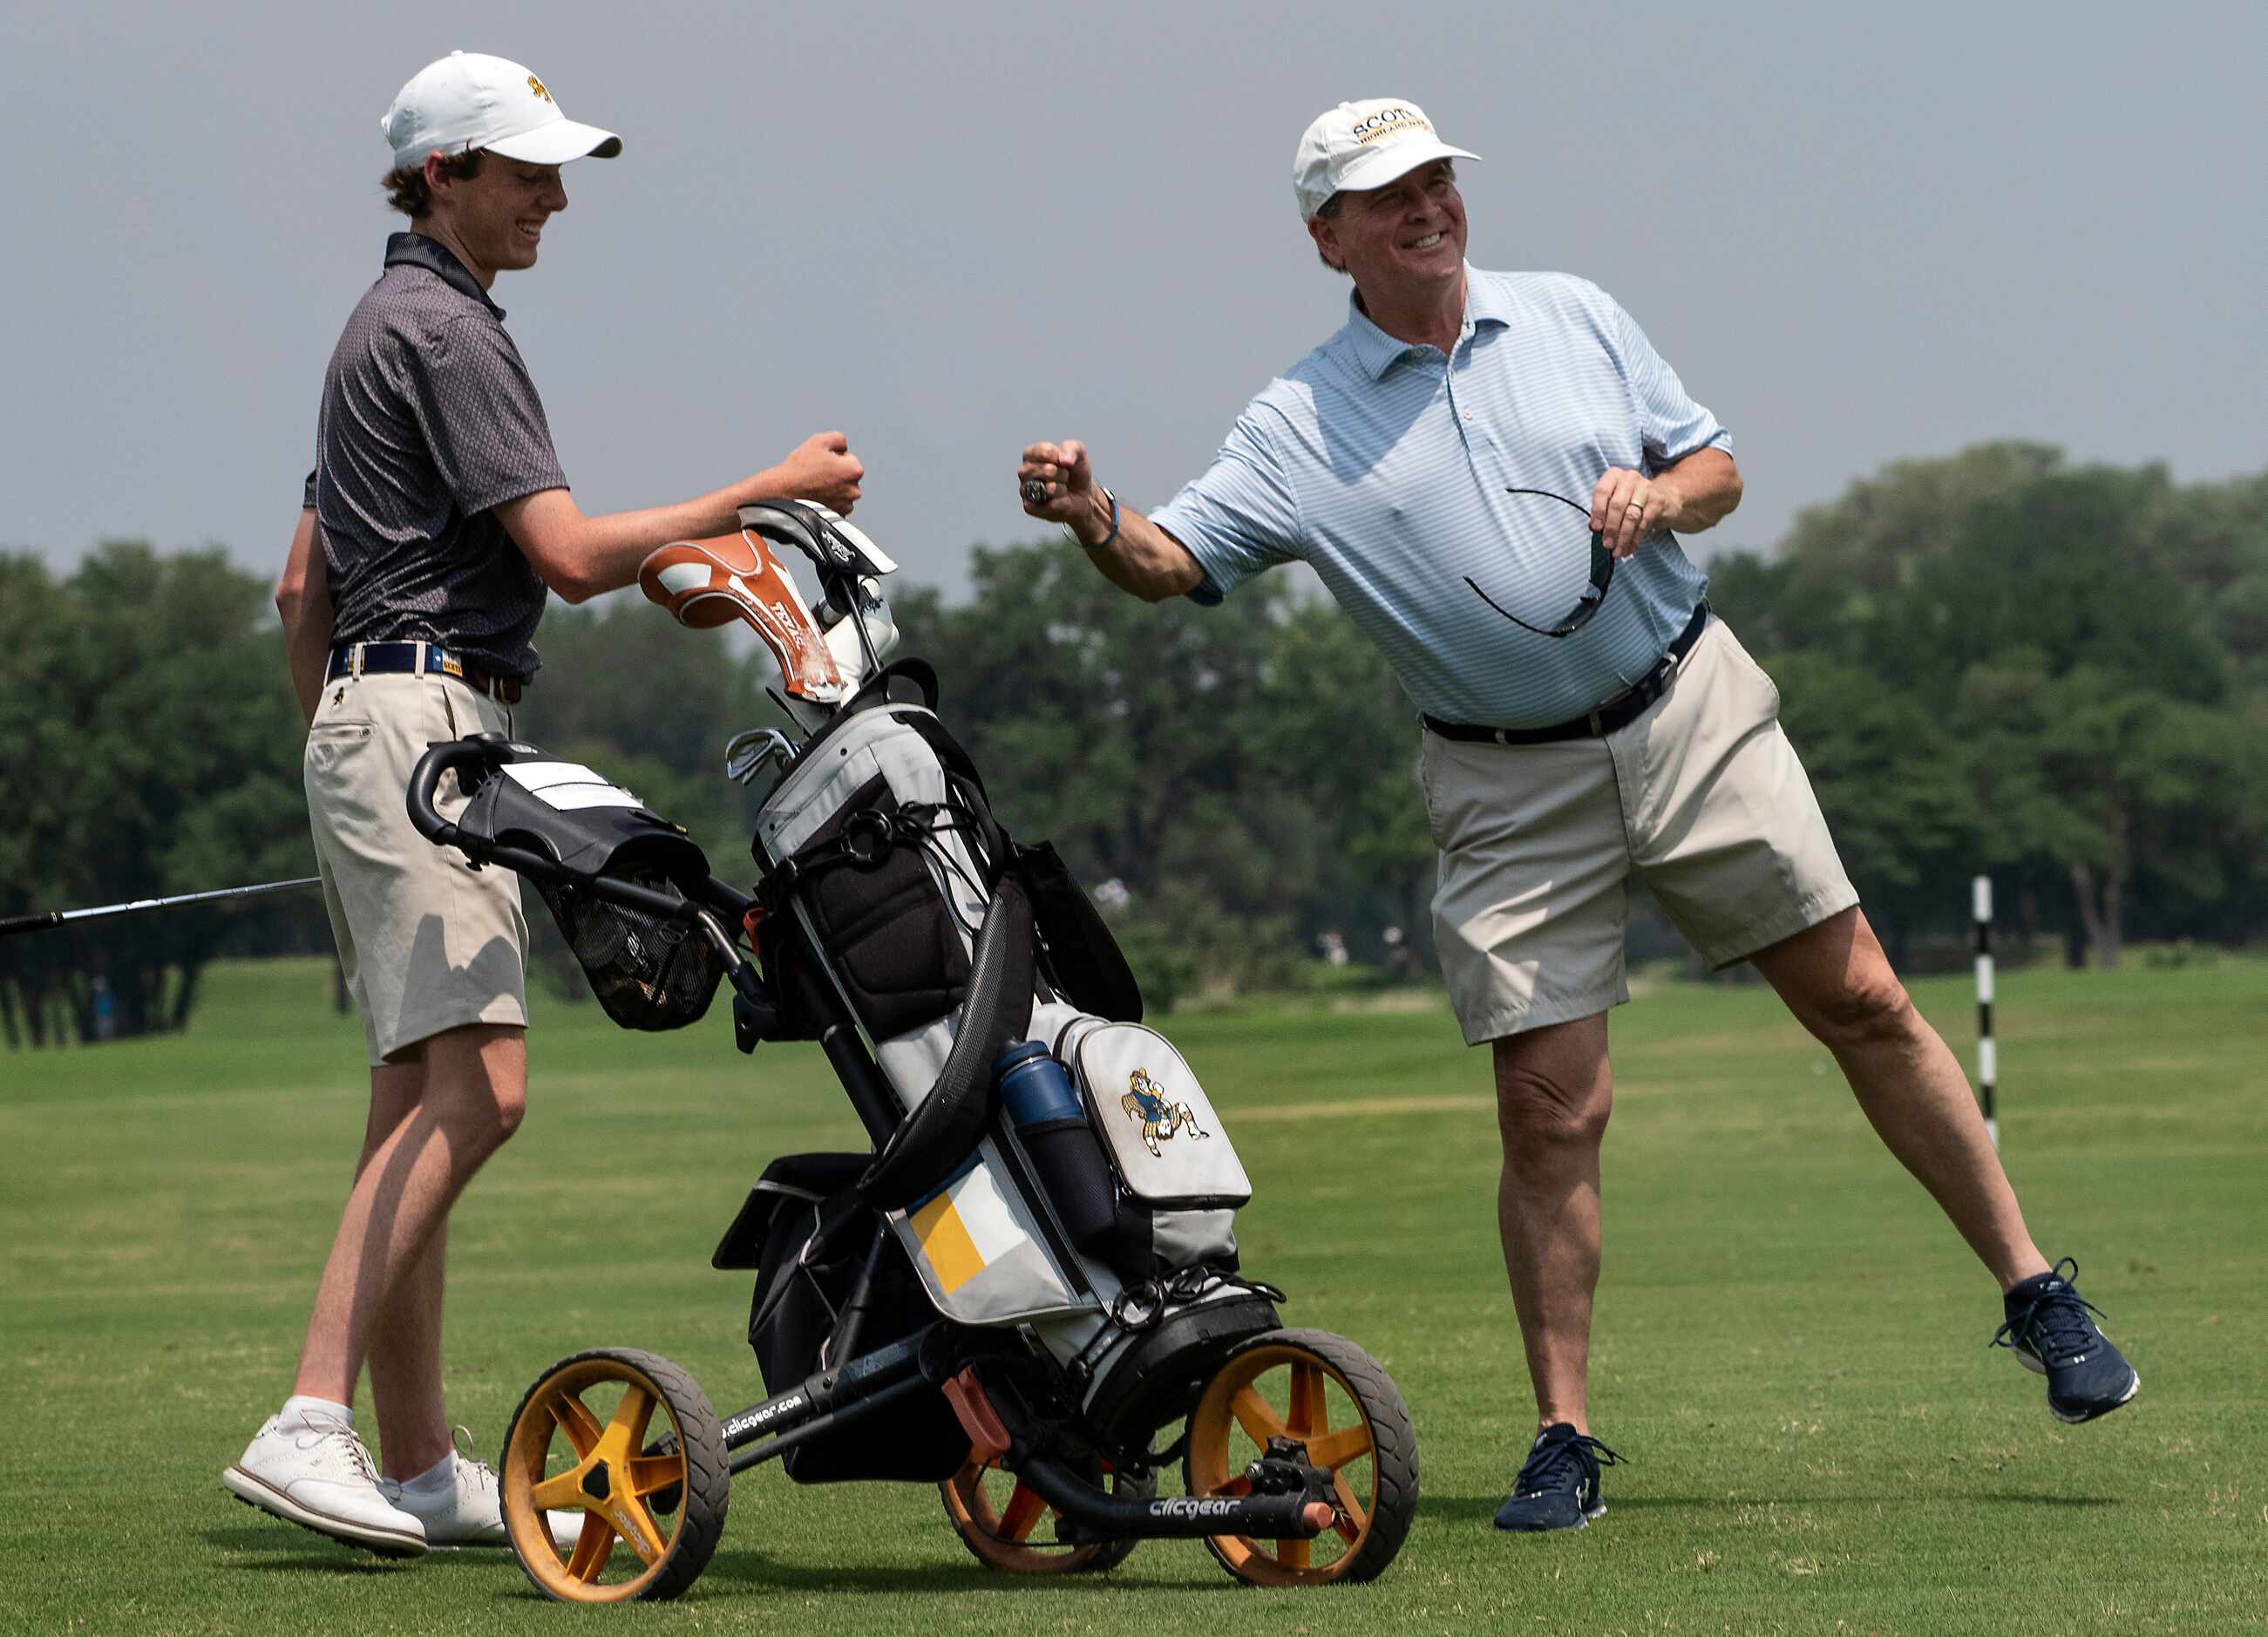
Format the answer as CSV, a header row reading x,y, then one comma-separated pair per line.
x,y
1052,1122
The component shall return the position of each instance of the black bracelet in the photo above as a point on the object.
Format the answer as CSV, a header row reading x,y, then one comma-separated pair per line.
x,y
1103,543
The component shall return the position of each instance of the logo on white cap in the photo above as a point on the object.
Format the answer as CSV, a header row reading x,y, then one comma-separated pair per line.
x,y
469,100
1364,144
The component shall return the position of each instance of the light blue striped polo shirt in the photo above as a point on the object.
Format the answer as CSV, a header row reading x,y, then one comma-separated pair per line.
x,y
1385,466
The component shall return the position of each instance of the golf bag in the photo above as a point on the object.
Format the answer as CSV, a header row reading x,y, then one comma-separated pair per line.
x,y
1096,1214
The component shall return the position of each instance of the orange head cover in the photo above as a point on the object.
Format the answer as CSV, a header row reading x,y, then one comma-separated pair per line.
x,y
707,582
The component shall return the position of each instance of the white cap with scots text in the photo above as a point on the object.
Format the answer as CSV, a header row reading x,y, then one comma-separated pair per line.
x,y
1364,144
469,100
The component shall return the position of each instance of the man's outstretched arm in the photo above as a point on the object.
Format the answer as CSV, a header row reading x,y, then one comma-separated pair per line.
x,y
581,556
1144,559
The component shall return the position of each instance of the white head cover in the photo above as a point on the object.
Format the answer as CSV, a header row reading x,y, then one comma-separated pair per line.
x,y
467,100
1364,144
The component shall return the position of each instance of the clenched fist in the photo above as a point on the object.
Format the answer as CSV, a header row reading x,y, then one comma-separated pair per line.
x,y
821,467
1056,482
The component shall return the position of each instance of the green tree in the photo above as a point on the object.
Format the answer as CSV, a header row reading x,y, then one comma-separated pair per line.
x,y
1894,782
1340,731
2049,668
152,748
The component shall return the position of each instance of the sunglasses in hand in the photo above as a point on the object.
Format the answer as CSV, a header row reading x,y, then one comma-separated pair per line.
x,y
1602,575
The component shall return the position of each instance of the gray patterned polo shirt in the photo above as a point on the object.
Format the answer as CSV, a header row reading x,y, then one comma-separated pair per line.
x,y
429,419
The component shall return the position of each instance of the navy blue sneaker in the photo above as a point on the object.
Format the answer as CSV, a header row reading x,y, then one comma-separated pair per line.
x,y
1558,1486
2050,1333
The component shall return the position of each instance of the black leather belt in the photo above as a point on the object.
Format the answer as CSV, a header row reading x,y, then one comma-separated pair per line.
x,y
418,659
1619,711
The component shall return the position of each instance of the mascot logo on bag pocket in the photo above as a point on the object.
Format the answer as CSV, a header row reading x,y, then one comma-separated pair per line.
x,y
1145,1105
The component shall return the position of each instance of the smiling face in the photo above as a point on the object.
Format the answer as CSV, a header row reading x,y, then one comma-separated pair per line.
x,y
493,220
1401,240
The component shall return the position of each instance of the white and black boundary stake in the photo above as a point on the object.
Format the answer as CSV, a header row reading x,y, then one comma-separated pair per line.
x,y
43,919
1980,893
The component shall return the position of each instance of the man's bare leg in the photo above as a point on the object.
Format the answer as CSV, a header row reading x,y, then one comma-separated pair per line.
x,y
472,1092
1553,1093
1838,984
405,1348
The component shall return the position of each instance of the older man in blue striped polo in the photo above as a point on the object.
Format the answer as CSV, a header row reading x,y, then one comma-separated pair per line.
x,y
1431,461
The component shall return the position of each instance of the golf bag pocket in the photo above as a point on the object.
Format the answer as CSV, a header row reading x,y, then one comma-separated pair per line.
x,y
1159,1129
888,932
800,1305
1178,1180
979,1250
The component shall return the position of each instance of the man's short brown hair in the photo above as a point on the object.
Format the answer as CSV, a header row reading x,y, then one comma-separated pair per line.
x,y
1328,209
406,189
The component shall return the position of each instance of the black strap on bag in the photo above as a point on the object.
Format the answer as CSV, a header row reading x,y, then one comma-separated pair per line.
x,y
1084,960
959,765
929,1143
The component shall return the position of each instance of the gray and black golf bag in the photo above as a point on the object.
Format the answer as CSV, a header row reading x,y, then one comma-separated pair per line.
x,y
1103,1222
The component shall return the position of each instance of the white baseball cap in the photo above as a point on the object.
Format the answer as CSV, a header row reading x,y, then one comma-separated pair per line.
x,y
467,100
1364,144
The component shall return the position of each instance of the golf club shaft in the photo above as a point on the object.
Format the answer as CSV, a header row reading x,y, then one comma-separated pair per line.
x,y
45,919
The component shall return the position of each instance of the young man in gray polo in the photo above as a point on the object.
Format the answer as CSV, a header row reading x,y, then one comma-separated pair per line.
x,y
435,522
1441,461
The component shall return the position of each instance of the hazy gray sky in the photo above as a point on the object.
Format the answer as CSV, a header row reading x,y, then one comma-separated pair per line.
x,y
1858,233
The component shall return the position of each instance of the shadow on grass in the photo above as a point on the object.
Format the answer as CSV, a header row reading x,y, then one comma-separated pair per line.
x,y
751,1572
1468,1508
284,1545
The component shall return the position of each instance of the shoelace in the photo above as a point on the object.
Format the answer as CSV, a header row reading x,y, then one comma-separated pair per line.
x,y
483,1475
320,1427
1546,1467
2054,1323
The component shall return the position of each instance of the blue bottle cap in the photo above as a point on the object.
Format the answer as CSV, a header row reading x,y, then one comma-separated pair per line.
x,y
1014,1055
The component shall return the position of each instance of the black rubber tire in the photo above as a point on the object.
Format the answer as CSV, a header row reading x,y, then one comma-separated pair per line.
x,y
1394,1444
1091,1558
705,1493
1108,1554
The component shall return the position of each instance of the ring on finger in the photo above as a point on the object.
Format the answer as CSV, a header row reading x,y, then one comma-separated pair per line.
x,y
1635,507
1034,491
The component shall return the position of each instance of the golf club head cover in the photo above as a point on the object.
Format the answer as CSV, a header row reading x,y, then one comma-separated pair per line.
x,y
706,583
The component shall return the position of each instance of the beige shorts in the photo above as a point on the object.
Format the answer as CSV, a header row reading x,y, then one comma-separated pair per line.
x,y
1703,795
427,943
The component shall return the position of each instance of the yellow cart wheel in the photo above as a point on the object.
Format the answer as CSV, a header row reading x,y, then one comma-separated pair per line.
x,y
1322,1400
999,1518
579,1442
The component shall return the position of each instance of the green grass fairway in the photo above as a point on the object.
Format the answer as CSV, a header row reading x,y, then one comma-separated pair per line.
x,y
1790,1346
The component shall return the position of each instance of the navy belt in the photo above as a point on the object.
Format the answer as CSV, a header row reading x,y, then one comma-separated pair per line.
x,y
418,659
1619,711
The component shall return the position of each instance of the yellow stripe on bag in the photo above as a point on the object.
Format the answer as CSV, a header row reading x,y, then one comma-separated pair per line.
x,y
952,1255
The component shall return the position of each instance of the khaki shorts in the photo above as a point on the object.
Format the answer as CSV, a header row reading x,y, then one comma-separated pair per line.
x,y
1703,795
427,943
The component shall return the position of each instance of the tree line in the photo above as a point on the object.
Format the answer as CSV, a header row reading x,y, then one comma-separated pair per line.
x,y
1996,660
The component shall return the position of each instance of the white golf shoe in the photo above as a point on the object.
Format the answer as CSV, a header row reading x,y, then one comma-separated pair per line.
x,y
472,1512
320,1476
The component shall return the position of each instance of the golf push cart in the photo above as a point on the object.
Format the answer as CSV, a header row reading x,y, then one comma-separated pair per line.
x,y
1028,1293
